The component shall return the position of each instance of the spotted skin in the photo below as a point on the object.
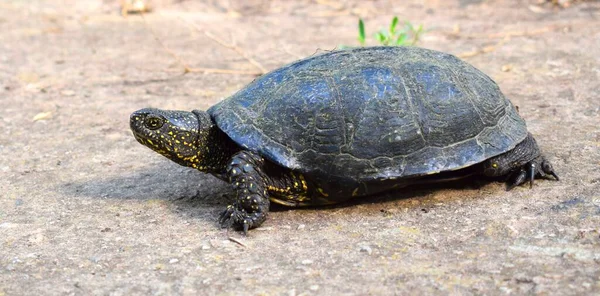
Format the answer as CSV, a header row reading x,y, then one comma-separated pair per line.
x,y
192,139
256,183
177,134
250,184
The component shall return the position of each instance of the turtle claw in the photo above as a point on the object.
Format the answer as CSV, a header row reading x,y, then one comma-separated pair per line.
x,y
236,217
528,173
531,170
226,218
246,226
520,178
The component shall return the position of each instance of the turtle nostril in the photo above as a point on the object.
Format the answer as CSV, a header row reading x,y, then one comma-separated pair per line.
x,y
137,116
133,119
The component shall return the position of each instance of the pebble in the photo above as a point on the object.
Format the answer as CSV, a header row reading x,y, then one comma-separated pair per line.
x,y
67,93
366,249
174,260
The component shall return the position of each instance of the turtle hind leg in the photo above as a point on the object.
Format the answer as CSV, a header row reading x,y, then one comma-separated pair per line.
x,y
521,164
537,167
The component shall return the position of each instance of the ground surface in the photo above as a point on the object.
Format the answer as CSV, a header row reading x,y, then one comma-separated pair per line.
x,y
85,209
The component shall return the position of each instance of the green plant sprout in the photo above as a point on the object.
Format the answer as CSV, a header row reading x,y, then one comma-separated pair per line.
x,y
361,32
406,36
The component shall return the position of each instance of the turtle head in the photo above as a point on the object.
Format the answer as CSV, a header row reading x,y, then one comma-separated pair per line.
x,y
180,136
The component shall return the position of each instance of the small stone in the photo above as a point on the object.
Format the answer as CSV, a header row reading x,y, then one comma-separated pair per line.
x,y
173,261
307,262
314,287
205,247
506,68
301,226
366,249
586,285
67,93
42,116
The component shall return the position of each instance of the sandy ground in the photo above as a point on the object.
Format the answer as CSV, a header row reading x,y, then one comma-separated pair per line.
x,y
86,210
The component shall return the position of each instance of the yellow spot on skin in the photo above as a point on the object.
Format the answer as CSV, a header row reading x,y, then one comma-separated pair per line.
x,y
494,165
322,192
276,189
303,182
355,192
149,141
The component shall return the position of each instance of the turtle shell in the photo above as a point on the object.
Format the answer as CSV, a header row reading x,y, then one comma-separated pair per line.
x,y
373,113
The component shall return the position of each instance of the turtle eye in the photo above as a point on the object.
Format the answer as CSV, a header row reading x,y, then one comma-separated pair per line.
x,y
153,122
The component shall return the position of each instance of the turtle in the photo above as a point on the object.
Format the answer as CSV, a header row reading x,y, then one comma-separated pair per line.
x,y
346,124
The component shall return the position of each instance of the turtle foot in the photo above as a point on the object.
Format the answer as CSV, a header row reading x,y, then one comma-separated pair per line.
x,y
537,167
236,217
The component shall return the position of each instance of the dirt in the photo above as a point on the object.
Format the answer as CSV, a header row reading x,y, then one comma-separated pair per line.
x,y
85,209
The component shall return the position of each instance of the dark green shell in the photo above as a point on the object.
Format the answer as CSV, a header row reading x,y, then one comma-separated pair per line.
x,y
369,114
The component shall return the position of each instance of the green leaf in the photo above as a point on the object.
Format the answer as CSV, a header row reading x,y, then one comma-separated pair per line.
x,y
361,32
420,29
401,39
393,25
381,38
417,35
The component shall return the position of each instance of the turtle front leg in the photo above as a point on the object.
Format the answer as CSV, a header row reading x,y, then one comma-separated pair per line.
x,y
246,174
